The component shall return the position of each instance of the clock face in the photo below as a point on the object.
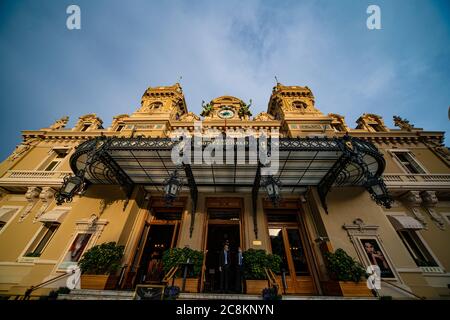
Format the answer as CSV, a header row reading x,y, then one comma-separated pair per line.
x,y
226,113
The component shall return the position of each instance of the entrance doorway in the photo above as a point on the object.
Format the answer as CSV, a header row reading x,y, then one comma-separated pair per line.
x,y
160,232
223,228
288,240
160,238
218,235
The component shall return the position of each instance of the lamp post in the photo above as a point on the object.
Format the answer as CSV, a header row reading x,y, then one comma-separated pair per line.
x,y
172,186
273,188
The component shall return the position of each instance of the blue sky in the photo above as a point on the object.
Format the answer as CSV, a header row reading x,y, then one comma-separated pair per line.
x,y
228,47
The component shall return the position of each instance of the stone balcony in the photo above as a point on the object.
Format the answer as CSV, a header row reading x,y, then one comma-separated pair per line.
x,y
28,178
417,181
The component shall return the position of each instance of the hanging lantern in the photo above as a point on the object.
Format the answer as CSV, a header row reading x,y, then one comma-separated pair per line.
x,y
273,189
171,188
378,190
71,185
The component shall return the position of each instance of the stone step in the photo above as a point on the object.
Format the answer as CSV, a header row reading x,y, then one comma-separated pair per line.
x,y
296,297
102,292
218,296
85,294
214,296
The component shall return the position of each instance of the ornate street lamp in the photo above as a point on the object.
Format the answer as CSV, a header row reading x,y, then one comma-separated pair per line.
x,y
378,190
273,188
71,185
172,186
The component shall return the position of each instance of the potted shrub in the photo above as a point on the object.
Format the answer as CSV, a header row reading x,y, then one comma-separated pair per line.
x,y
178,256
99,266
255,261
347,275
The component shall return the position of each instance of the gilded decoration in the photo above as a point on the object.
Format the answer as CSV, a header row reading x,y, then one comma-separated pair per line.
x,y
60,123
403,124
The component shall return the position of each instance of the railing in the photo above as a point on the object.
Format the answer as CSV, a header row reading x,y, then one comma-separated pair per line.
x,y
432,269
404,290
271,277
30,290
170,275
27,177
437,180
121,277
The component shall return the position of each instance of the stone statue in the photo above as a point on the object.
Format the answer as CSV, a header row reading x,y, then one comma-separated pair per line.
x,y
60,124
403,124
244,110
206,109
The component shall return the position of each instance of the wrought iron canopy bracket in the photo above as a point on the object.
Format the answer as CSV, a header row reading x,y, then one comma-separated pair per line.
x,y
328,180
125,183
353,151
97,151
194,194
255,191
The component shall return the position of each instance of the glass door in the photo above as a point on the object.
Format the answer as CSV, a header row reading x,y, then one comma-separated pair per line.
x,y
286,241
278,247
297,252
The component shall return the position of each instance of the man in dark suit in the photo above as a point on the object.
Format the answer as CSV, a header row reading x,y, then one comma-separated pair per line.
x,y
239,270
224,268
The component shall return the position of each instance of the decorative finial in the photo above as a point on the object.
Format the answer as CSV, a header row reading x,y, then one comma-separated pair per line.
x,y
60,124
403,124
276,80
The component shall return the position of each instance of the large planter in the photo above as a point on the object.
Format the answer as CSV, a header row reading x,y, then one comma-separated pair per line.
x,y
355,289
192,284
255,286
98,282
346,288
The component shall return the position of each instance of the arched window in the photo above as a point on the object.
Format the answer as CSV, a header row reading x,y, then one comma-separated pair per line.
x,y
299,105
156,105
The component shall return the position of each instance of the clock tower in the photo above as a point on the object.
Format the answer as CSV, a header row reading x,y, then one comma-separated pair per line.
x,y
226,108
295,107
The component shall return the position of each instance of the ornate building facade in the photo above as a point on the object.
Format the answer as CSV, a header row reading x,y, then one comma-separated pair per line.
x,y
381,194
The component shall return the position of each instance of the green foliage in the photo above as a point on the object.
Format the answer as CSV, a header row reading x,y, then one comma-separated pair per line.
x,y
255,260
177,256
342,267
102,259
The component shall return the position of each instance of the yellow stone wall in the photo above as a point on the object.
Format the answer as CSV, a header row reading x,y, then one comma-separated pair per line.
x,y
125,219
